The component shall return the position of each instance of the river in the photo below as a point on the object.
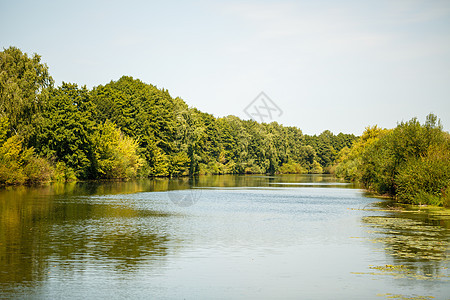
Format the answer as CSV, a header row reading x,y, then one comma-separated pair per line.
x,y
217,237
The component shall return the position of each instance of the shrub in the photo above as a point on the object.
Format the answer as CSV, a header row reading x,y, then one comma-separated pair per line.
x,y
316,168
423,180
116,154
63,173
38,170
292,168
20,165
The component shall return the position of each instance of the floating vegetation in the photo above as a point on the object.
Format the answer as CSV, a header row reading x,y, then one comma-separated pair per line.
x,y
403,297
409,239
417,244
430,214
400,271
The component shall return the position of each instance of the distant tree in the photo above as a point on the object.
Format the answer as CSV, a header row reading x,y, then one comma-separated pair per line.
x,y
128,128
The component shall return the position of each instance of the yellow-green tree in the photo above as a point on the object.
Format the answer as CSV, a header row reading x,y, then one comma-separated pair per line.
x,y
116,154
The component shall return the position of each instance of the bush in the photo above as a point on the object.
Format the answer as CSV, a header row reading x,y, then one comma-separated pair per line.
x,y
63,173
349,170
423,180
116,154
11,171
20,165
38,170
446,197
292,168
316,168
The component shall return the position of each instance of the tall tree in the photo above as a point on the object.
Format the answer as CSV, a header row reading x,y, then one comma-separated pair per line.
x,y
24,85
68,125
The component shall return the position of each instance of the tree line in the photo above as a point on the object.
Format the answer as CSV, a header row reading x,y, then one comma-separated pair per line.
x,y
127,128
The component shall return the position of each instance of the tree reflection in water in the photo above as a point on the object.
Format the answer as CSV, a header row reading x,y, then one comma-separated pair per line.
x,y
42,231
415,241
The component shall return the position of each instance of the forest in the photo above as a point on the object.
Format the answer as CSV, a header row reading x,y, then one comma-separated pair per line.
x,y
128,128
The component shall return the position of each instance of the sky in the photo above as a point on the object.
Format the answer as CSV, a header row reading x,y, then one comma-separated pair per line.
x,y
322,65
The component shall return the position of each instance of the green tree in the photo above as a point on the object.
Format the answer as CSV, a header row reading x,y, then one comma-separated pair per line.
x,y
4,128
425,179
116,154
24,84
65,134
350,161
20,165
11,169
144,113
410,162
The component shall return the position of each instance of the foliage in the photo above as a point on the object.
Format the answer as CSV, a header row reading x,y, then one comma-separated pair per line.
x,y
64,134
292,168
83,148
116,154
4,126
63,173
24,84
20,165
316,168
410,162
142,112
128,128
178,164
11,171
425,180
349,160
327,146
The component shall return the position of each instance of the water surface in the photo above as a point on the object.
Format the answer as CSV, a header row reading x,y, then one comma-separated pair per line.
x,y
239,237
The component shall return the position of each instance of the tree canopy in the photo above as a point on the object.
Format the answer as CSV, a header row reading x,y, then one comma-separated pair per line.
x,y
410,162
127,128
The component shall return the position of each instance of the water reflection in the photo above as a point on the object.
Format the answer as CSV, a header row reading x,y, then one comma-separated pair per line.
x,y
247,237
55,226
417,247
67,226
237,181
119,245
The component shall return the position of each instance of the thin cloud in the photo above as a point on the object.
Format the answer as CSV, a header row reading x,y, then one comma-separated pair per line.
x,y
344,29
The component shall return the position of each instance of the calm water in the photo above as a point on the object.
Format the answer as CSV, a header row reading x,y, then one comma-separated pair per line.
x,y
217,237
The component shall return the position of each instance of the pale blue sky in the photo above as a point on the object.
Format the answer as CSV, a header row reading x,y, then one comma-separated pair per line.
x,y
337,65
